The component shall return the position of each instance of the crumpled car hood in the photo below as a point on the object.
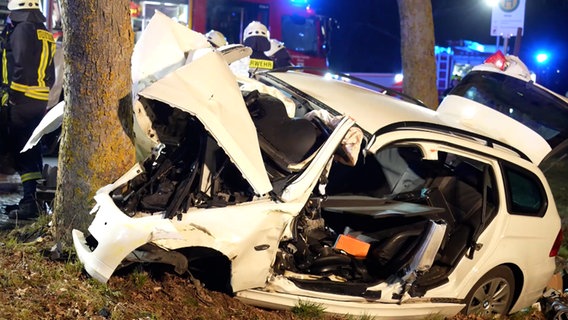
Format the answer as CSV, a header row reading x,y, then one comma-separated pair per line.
x,y
217,102
172,64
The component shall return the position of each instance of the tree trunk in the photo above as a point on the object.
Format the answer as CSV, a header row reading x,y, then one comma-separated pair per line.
x,y
417,48
97,125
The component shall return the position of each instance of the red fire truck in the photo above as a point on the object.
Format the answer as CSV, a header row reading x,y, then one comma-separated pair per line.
x,y
294,22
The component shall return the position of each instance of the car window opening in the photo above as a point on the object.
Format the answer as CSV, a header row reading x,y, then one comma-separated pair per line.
x,y
390,201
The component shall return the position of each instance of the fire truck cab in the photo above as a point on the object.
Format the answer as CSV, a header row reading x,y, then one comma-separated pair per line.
x,y
293,22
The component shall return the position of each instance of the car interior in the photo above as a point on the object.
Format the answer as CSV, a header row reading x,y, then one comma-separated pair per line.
x,y
394,218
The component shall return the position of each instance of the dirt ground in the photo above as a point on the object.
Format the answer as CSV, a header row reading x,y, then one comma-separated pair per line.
x,y
33,285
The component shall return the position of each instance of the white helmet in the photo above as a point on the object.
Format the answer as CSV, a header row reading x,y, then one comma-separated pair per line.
x,y
216,38
256,28
275,46
23,4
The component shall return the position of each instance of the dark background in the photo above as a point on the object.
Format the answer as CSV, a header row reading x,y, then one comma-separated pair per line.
x,y
368,37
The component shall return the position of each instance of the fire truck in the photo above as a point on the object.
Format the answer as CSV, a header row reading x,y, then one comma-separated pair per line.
x,y
456,59
293,22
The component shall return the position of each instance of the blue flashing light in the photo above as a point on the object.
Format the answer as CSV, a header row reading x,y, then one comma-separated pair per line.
x,y
479,47
542,57
300,2
475,46
439,50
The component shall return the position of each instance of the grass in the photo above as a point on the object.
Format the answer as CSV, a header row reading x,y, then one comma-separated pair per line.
x,y
308,310
139,278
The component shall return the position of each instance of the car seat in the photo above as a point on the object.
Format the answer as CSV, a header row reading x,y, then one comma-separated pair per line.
x,y
288,142
394,247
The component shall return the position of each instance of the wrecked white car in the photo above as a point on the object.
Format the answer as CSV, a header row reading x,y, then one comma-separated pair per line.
x,y
291,187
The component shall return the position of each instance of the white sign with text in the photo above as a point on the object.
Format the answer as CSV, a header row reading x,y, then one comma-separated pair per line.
x,y
507,17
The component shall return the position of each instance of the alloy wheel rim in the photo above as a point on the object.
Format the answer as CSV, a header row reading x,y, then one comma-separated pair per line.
x,y
490,298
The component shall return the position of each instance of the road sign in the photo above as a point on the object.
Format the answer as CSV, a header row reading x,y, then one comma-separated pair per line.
x,y
507,17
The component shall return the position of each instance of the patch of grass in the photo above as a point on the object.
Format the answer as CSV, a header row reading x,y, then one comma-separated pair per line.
x,y
139,278
308,310
528,313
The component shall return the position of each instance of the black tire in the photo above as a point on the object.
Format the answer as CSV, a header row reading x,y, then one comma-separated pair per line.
x,y
492,294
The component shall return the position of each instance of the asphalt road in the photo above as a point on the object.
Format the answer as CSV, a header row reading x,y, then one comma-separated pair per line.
x,y
11,193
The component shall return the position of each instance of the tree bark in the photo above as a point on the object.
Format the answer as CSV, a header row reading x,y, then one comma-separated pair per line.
x,y
417,49
96,146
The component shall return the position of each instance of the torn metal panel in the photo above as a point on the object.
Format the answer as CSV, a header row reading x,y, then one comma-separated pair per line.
x,y
163,47
219,105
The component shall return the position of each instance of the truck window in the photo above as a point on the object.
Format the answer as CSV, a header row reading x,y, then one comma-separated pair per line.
x,y
300,34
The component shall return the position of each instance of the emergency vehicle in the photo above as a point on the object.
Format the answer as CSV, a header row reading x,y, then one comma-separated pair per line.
x,y
293,22
456,59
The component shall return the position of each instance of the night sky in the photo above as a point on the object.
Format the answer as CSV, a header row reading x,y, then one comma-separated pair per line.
x,y
368,39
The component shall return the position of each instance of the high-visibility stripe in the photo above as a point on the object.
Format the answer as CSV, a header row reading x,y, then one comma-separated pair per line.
x,y
4,67
42,64
46,55
45,35
31,176
37,96
34,92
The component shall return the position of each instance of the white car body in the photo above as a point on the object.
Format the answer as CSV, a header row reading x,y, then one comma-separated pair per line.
x,y
251,238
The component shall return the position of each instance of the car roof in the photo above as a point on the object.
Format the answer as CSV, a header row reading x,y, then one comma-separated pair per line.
x,y
370,109
374,111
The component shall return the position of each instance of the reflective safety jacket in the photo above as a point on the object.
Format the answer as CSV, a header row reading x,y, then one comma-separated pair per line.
x,y
27,61
259,61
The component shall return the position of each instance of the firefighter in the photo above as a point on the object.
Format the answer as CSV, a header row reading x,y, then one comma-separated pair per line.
x,y
256,36
27,76
455,81
216,38
279,54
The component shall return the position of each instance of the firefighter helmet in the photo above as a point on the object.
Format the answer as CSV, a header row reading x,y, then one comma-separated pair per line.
x,y
216,38
256,28
23,4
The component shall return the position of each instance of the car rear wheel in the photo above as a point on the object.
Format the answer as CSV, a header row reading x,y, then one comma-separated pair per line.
x,y
492,294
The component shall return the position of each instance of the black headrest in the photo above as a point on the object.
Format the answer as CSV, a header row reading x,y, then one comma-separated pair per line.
x,y
292,138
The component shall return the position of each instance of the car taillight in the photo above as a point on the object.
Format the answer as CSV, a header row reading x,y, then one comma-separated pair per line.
x,y
556,245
